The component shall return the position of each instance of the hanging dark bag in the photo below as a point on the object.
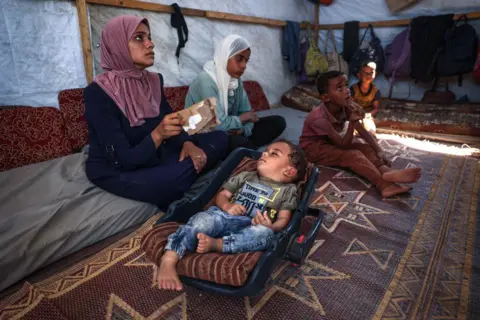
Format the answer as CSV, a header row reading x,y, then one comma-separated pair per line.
x,y
350,39
459,52
374,52
427,40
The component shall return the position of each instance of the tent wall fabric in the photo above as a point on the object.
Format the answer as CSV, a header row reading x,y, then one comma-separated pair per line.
x,y
266,65
375,10
41,54
40,51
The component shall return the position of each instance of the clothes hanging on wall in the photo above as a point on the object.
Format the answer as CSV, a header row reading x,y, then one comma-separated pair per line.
x,y
427,40
335,60
476,69
398,55
178,22
291,45
350,39
460,50
304,46
372,53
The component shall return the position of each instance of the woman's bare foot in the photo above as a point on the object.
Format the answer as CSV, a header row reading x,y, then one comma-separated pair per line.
x,y
208,244
402,176
394,189
167,277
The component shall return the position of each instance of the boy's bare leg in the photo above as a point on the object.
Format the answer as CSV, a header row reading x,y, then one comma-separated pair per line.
x,y
208,244
409,175
167,277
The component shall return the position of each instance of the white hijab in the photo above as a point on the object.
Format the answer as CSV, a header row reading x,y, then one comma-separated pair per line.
x,y
217,68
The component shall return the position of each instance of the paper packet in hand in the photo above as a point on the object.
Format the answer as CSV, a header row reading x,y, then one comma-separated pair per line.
x,y
200,117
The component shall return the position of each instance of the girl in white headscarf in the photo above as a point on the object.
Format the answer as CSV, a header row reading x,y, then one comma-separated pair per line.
x,y
220,78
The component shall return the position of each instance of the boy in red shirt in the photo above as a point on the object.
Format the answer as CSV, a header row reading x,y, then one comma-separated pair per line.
x,y
328,139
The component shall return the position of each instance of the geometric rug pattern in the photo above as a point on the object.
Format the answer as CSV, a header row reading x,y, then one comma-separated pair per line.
x,y
409,257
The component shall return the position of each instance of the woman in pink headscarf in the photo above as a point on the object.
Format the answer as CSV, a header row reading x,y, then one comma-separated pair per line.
x,y
137,147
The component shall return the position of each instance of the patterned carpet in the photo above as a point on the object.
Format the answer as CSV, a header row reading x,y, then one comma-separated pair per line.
x,y
403,258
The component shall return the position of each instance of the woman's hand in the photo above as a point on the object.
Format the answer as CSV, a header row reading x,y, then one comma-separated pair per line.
x,y
197,155
249,116
170,126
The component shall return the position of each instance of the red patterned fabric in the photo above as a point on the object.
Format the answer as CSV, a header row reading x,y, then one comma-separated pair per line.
x,y
256,96
31,134
72,107
176,97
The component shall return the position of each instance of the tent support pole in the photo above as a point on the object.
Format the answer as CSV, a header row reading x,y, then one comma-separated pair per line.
x,y
85,36
392,23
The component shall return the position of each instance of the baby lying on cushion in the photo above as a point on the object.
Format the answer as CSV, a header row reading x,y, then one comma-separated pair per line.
x,y
250,209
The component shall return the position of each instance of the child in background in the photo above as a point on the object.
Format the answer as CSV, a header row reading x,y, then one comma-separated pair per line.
x,y
328,139
367,95
250,209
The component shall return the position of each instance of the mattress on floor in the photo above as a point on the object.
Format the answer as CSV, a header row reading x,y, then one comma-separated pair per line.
x,y
50,209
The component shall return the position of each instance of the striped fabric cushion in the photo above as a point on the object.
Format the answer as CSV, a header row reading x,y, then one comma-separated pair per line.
x,y
229,269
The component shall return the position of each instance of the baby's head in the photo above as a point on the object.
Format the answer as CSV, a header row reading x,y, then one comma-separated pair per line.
x,y
333,88
282,161
367,72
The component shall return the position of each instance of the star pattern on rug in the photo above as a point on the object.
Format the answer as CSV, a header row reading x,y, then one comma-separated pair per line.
x,y
118,309
400,151
380,257
295,283
344,175
410,201
344,206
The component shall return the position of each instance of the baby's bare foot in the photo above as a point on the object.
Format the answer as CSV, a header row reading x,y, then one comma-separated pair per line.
x,y
402,176
167,277
208,244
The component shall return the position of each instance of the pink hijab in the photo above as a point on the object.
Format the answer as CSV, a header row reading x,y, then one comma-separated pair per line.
x,y
136,92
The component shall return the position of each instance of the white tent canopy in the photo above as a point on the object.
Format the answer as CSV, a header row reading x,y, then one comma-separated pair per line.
x,y
41,50
41,53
